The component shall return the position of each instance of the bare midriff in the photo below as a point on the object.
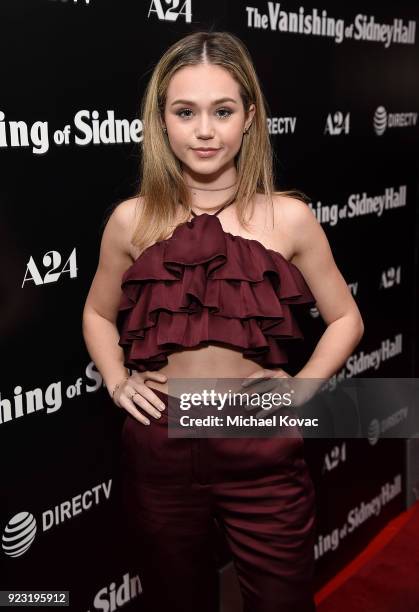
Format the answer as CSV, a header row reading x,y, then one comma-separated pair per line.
x,y
204,362
214,361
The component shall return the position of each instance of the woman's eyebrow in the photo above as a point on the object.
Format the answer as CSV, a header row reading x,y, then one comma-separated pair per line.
x,y
220,101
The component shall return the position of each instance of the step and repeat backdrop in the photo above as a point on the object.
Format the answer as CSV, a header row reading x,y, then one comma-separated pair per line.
x,y
341,84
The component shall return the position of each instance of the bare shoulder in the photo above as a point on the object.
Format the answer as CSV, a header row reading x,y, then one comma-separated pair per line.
x,y
291,211
128,208
122,223
124,217
295,220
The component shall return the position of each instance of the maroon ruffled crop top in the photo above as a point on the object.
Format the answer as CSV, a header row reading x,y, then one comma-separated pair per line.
x,y
205,286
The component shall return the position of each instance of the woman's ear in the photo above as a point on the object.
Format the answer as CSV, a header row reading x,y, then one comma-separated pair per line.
x,y
162,122
249,116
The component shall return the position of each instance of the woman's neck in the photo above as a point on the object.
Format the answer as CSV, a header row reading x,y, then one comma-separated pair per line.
x,y
208,196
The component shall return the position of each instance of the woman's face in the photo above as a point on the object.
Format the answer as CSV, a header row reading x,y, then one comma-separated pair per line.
x,y
204,110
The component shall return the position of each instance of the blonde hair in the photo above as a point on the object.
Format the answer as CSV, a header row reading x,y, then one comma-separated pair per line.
x,y
162,187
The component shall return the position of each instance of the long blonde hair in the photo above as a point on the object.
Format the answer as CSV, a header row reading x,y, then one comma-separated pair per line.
x,y
162,186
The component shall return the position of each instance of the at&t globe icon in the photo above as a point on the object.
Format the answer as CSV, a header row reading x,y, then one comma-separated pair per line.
x,y
380,120
18,534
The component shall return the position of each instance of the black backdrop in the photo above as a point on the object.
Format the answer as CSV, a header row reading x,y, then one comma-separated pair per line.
x,y
343,122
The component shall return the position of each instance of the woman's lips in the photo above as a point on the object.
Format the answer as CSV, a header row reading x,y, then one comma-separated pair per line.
x,y
202,153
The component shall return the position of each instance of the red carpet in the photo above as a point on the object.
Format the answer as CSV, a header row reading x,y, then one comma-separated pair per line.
x,y
384,577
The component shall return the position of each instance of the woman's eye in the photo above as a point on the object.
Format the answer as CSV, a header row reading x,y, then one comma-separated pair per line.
x,y
188,110
225,110
185,110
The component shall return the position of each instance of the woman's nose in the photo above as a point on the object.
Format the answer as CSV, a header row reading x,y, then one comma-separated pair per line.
x,y
205,126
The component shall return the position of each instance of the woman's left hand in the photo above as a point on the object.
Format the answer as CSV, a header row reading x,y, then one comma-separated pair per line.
x,y
264,380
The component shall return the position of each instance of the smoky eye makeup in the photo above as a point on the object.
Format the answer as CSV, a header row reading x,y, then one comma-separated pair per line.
x,y
227,112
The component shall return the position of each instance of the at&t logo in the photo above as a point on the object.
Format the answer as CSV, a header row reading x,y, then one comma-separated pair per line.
x,y
18,534
373,432
380,120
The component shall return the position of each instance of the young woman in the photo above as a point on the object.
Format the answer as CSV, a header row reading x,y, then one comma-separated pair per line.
x,y
198,277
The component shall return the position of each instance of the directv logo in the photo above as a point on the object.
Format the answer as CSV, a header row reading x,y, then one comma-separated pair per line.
x,y
376,427
19,533
383,120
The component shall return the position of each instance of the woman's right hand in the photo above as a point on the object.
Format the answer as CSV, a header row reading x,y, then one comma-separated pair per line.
x,y
133,394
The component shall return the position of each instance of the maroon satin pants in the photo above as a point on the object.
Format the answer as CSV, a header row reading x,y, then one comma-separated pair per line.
x,y
259,491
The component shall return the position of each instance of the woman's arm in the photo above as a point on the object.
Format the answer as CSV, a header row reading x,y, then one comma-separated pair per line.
x,y
101,307
334,301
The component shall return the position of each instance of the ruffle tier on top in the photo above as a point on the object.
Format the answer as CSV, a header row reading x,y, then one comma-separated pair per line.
x,y
205,286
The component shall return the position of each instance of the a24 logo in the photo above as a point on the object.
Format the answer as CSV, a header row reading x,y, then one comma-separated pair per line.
x,y
334,457
170,10
391,277
337,124
53,261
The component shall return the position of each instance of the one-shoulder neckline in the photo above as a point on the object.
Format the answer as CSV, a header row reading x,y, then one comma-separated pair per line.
x,y
234,236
